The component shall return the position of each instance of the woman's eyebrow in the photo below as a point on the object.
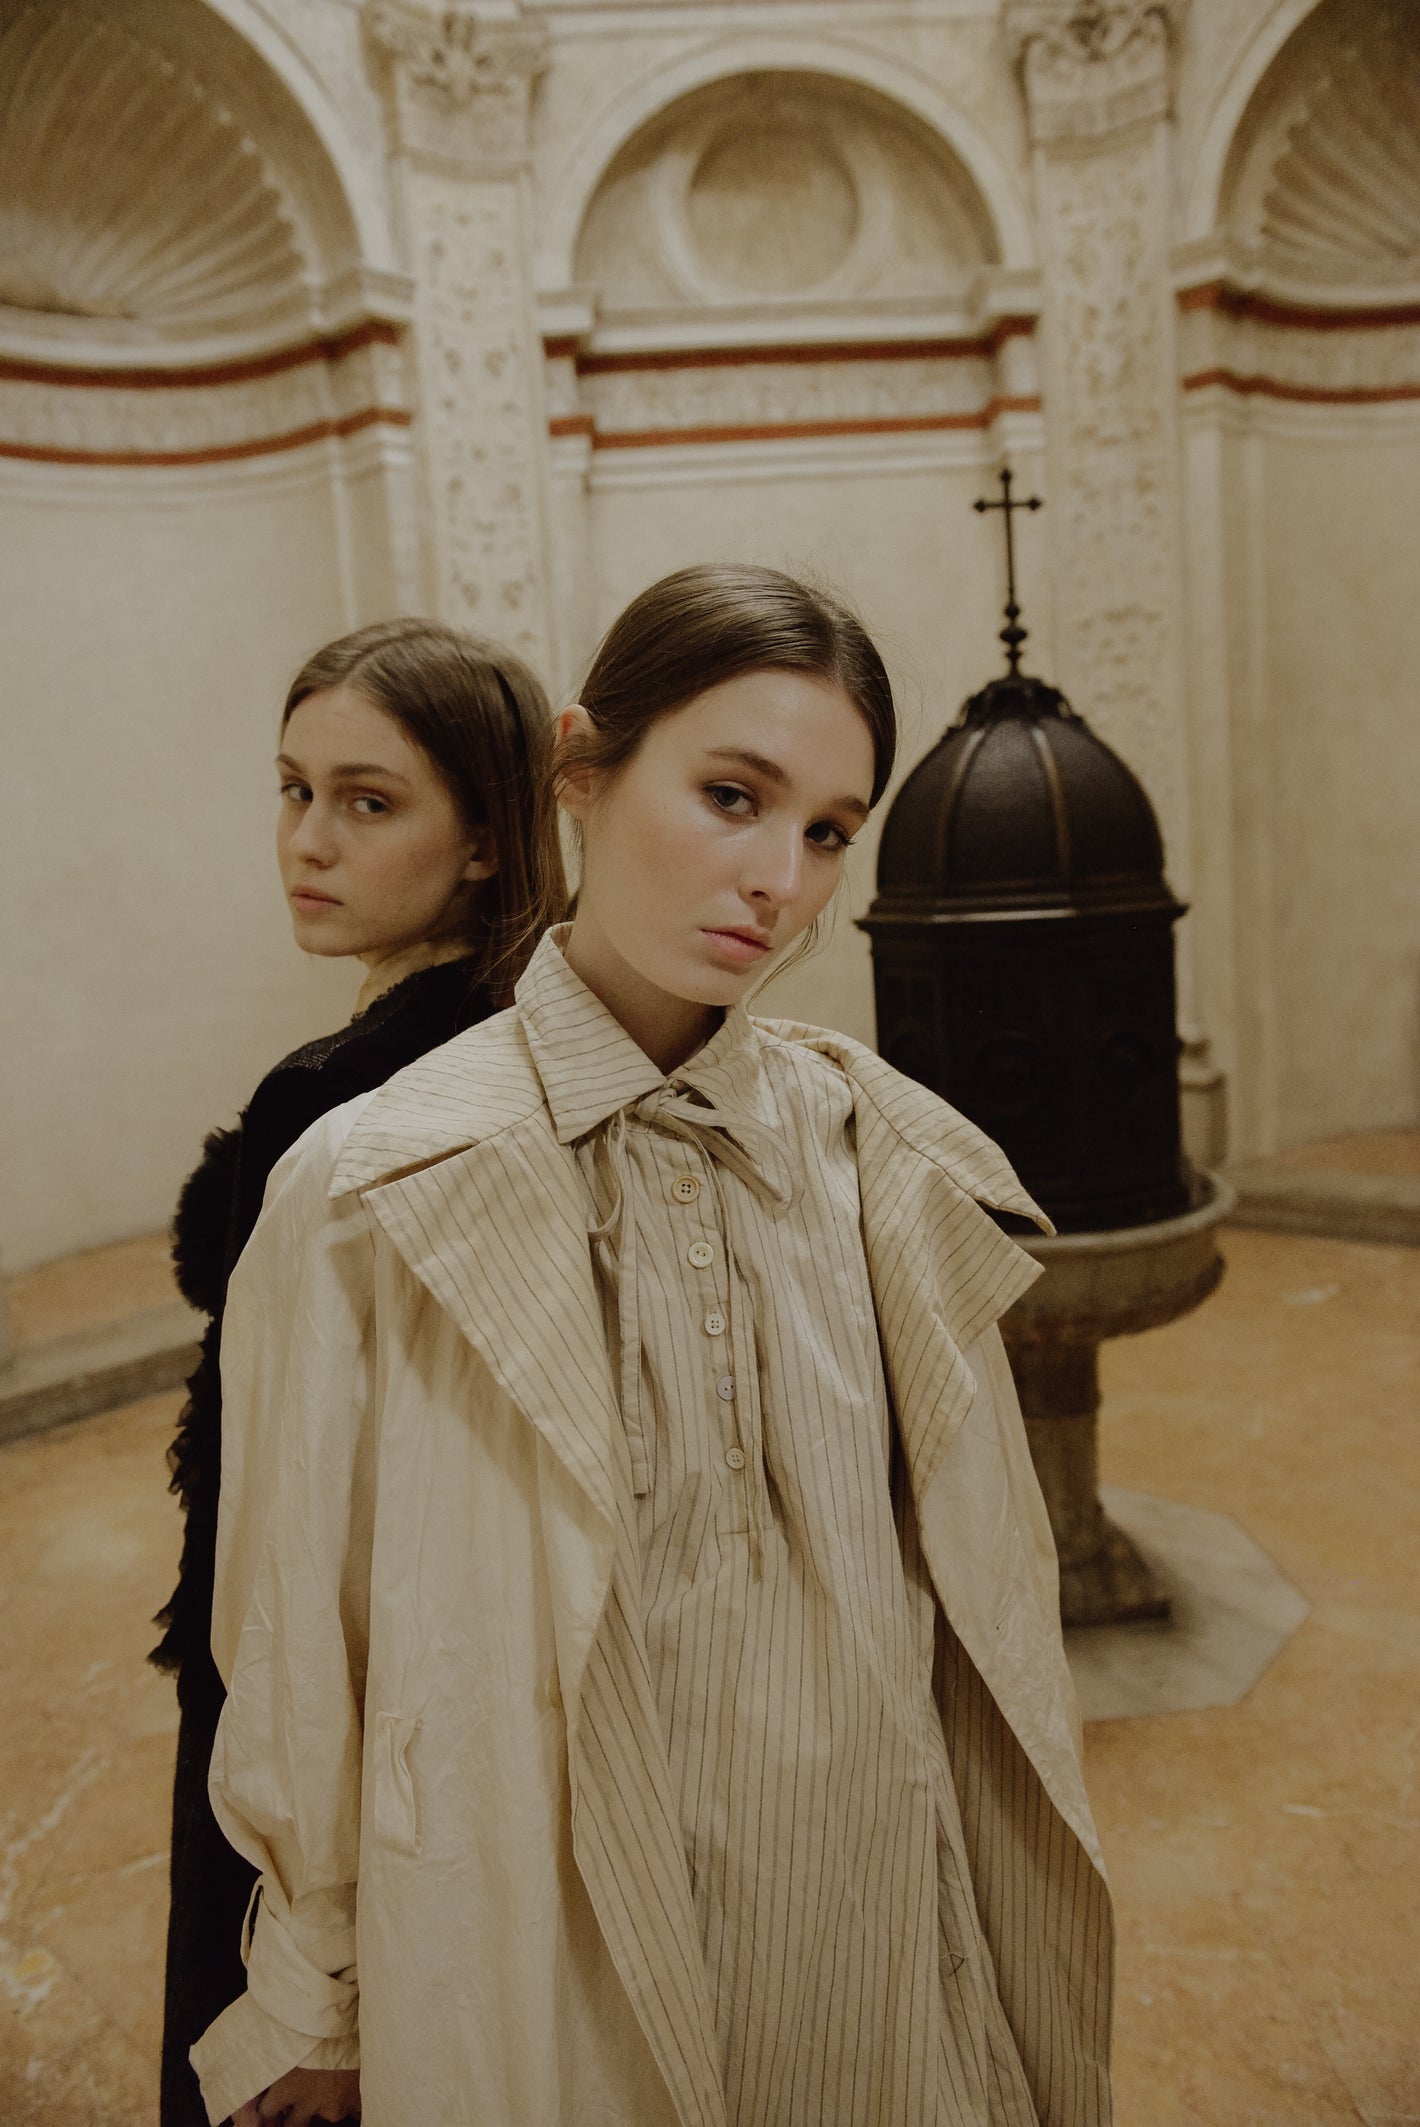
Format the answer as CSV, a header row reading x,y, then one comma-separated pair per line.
x,y
760,764
347,771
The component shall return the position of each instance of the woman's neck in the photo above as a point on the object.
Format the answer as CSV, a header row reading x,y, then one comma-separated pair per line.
x,y
384,973
668,1029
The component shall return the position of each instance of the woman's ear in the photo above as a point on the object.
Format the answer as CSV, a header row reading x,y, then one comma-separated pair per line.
x,y
484,861
574,785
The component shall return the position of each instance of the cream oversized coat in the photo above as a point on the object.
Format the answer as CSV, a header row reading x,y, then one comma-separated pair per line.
x,y
425,1509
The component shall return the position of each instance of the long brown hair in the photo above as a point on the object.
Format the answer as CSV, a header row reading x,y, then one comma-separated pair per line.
x,y
485,722
711,623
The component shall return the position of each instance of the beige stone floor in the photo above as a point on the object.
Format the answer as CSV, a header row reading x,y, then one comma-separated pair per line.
x,y
1265,1856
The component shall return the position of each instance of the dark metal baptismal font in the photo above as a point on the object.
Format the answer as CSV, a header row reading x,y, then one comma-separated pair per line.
x,y
1022,938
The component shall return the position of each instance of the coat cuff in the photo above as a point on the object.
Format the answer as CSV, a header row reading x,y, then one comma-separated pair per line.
x,y
247,2049
293,2015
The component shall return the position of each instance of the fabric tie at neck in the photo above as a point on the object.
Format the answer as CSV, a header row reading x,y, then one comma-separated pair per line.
x,y
749,1148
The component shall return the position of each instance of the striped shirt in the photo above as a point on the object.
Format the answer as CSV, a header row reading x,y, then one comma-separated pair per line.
x,y
787,1613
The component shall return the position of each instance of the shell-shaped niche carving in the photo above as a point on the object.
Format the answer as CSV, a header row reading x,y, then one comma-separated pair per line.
x,y
781,187
127,191
1325,178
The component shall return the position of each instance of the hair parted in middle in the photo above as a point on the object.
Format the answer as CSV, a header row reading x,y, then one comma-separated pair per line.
x,y
715,622
485,722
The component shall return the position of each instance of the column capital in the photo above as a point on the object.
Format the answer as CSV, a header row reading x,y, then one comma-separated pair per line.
x,y
1092,67
461,82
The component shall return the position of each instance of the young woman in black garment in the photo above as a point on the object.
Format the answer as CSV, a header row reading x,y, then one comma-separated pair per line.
x,y
416,835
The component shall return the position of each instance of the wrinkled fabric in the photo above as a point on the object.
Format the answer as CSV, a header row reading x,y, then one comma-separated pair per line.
x,y
433,1625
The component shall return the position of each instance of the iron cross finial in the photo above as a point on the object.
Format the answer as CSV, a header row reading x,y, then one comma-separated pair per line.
x,y
1012,635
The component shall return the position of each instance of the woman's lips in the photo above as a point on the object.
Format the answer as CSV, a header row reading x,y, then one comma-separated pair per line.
x,y
739,946
308,897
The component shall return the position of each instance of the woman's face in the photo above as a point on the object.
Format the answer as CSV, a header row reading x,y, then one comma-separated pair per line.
x,y
374,854
715,845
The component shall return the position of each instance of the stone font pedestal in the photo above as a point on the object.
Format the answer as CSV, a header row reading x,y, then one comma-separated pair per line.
x,y
1099,1285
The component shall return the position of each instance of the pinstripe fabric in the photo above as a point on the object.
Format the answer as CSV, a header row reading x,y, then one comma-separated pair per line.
x,y
675,1795
788,1616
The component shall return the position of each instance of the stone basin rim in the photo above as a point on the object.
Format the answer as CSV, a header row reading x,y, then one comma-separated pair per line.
x,y
1133,1240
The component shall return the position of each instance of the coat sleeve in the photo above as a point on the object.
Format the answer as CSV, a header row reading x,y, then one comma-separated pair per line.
x,y
290,1618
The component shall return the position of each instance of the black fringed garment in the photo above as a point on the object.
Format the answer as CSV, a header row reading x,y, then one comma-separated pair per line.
x,y
218,1207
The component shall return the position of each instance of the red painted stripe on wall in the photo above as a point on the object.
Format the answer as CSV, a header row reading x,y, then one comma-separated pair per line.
x,y
1302,394
1240,303
213,454
150,377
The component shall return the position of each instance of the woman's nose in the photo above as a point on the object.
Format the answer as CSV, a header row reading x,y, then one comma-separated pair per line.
x,y
776,872
311,836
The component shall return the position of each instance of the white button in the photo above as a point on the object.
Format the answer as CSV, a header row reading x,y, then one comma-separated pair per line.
x,y
715,1324
700,1254
735,1457
725,1388
685,1189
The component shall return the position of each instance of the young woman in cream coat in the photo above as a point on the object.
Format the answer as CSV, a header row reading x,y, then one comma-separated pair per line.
x,y
647,1705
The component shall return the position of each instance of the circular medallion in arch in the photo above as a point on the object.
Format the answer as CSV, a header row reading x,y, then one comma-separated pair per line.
x,y
768,200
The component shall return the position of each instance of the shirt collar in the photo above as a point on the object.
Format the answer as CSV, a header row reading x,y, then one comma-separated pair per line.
x,y
588,1063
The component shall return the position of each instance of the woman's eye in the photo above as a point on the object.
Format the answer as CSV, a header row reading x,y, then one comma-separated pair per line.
x,y
370,808
728,798
296,793
827,834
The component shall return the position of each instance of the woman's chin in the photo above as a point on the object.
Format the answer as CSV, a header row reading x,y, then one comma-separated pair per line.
x,y
321,939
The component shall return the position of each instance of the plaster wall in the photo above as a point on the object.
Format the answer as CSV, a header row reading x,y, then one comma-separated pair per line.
x,y
151,626
1342,633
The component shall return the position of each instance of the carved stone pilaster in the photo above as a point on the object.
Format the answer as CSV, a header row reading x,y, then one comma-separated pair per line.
x,y
1091,67
459,87
1097,80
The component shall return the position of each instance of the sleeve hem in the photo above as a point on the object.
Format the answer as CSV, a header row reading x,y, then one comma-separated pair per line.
x,y
247,2049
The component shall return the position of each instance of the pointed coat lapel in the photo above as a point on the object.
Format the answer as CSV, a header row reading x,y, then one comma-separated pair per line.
x,y
942,1273
485,1207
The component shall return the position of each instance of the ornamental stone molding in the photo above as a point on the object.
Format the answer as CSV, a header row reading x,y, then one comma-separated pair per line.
x,y
461,83
50,413
1092,67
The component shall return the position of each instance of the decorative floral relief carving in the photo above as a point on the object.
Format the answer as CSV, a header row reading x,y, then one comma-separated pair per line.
x,y
178,419
1382,358
129,191
755,394
481,428
463,86
1114,538
196,418
1092,66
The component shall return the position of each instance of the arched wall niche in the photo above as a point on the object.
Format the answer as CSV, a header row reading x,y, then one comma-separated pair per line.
x,y
165,190
1300,344
204,473
775,192
1321,188
782,251
181,273
864,69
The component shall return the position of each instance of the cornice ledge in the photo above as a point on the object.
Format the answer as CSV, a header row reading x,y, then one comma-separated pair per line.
x,y
1091,68
460,81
